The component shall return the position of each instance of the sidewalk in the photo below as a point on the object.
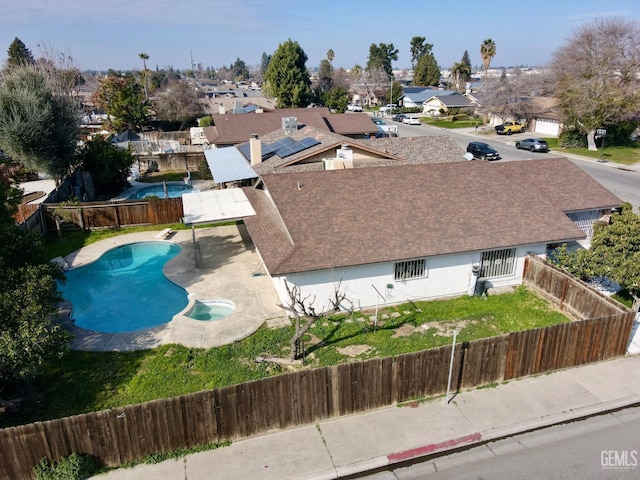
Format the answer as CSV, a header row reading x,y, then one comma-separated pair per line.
x,y
358,443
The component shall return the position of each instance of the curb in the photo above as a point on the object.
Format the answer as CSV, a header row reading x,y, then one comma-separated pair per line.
x,y
435,450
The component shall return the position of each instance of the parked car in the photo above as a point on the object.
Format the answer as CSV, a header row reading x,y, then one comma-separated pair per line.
x,y
398,117
411,121
354,107
483,151
507,128
378,121
533,145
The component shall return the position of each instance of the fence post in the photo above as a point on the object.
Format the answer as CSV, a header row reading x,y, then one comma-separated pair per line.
x,y
453,351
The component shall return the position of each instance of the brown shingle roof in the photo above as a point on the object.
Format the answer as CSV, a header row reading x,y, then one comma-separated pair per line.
x,y
230,129
379,151
363,216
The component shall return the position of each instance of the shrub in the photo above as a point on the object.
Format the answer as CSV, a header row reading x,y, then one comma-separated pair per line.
x,y
459,116
572,138
73,467
203,170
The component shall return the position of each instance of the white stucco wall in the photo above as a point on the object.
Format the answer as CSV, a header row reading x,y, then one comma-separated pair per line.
x,y
448,275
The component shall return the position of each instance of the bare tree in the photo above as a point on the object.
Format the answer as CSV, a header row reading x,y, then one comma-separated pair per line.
x,y
305,314
596,75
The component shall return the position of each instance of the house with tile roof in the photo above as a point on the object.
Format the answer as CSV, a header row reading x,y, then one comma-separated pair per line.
x,y
417,231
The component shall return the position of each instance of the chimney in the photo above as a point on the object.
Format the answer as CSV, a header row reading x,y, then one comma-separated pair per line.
x,y
221,109
255,147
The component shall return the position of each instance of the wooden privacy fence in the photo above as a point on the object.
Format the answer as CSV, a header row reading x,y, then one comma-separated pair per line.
x,y
128,433
116,214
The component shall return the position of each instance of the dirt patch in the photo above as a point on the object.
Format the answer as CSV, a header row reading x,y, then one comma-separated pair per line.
x,y
353,350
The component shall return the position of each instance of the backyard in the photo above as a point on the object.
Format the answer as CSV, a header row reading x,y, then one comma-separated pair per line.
x,y
88,381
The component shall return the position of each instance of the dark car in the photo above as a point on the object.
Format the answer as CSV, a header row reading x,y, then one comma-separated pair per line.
x,y
533,145
398,117
483,151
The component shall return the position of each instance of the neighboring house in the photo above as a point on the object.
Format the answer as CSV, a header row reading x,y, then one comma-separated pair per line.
x,y
546,118
230,129
437,104
414,97
412,232
313,149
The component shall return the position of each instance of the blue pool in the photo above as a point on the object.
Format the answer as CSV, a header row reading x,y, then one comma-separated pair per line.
x,y
125,289
173,190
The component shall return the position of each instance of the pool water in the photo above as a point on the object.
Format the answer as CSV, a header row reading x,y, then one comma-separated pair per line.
x,y
173,190
211,309
125,289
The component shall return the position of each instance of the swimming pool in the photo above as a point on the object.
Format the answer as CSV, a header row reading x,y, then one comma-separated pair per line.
x,y
125,289
173,190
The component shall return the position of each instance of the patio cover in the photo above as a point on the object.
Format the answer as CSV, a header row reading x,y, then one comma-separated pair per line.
x,y
228,165
215,206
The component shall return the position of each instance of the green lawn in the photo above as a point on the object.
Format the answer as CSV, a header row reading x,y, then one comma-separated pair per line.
x,y
450,124
625,155
88,381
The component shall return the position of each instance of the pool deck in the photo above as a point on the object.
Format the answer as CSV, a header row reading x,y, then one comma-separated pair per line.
x,y
229,268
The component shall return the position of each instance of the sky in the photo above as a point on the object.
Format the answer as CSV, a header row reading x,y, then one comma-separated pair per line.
x,y
103,34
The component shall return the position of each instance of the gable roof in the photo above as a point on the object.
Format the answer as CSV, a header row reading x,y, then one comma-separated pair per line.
x,y
319,220
427,93
230,129
378,151
453,100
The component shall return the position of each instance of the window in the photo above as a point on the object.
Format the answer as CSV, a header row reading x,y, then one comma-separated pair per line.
x,y
411,269
498,263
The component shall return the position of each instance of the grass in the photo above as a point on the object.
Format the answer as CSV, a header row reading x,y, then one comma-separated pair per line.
x,y
168,176
88,381
450,124
622,154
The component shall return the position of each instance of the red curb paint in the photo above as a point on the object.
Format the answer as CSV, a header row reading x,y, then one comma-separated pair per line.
x,y
434,447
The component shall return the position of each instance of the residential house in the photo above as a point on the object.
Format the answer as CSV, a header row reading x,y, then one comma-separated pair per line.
x,y
390,235
312,149
439,104
231,129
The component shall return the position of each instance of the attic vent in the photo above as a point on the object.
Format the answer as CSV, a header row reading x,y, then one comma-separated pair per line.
x,y
290,125
345,153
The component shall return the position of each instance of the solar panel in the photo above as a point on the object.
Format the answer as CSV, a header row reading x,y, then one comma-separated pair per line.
x,y
288,146
245,149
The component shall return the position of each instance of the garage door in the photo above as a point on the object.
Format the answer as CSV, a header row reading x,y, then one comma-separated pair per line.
x,y
547,127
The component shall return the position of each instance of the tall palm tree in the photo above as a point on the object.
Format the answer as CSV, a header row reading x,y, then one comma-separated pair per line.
x,y
330,57
144,57
487,52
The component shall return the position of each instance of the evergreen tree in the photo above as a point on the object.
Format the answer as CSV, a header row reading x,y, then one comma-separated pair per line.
x,y
18,54
38,127
122,98
427,71
381,55
287,78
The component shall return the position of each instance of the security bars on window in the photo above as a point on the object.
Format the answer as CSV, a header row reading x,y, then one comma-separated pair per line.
x,y
411,269
498,263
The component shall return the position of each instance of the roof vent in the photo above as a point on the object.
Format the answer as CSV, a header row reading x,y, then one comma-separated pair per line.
x,y
290,125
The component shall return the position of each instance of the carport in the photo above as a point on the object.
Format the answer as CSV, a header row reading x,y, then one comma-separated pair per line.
x,y
213,206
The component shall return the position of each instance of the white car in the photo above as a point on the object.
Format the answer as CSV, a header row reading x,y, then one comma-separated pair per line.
x,y
354,107
411,121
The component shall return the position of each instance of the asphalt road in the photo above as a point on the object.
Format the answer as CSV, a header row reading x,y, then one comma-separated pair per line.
x,y
622,182
602,447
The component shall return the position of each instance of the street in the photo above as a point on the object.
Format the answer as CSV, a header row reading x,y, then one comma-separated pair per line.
x,y
600,447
